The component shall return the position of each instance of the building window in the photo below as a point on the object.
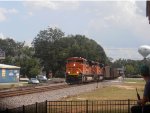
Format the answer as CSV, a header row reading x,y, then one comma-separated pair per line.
x,y
11,73
3,72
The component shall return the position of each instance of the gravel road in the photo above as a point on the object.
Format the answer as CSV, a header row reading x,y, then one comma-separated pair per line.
x,y
17,101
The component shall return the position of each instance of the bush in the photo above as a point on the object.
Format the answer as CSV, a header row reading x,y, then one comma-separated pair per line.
x,y
60,74
133,76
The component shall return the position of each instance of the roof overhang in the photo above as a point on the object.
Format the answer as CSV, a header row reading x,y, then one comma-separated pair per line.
x,y
9,66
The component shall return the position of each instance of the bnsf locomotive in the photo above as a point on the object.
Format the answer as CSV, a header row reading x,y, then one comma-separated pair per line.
x,y
80,70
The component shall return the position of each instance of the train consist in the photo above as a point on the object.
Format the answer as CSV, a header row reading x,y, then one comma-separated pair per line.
x,y
79,70
111,73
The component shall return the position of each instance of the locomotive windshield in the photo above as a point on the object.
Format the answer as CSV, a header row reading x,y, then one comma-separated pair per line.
x,y
71,61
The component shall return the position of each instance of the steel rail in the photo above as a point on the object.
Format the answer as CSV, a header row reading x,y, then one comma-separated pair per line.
x,y
31,90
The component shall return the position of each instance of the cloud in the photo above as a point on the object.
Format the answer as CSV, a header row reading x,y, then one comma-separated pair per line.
x,y
119,14
51,5
12,11
124,16
30,13
123,53
4,12
119,24
2,36
2,15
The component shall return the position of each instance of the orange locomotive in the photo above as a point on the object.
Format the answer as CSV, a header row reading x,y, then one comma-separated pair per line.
x,y
80,70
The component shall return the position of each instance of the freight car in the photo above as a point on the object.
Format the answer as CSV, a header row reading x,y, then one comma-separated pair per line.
x,y
79,70
112,73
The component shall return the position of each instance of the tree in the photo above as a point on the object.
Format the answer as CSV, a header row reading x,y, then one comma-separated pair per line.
x,y
81,46
46,49
30,66
11,48
129,69
132,67
53,49
18,54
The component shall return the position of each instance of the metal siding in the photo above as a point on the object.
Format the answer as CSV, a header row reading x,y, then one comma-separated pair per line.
x,y
0,73
8,78
1,76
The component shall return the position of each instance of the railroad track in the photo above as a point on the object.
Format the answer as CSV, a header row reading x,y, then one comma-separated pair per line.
x,y
31,90
38,89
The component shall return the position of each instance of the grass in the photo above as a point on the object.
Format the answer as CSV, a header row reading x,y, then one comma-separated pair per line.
x,y
138,80
123,91
114,92
12,85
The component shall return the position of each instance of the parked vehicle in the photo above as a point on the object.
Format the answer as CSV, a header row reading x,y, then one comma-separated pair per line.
x,y
33,81
42,78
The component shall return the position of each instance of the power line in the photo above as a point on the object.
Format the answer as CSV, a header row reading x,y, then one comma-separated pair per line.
x,y
120,48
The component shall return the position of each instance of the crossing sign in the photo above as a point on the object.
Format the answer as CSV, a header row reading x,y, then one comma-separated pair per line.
x,y
2,54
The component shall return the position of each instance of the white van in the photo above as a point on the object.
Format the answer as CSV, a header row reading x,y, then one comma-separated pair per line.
x,y
42,78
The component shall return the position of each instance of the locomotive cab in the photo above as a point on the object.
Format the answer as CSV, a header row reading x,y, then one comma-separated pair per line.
x,y
75,69
80,70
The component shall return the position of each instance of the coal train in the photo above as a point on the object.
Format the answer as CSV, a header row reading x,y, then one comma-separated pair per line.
x,y
79,70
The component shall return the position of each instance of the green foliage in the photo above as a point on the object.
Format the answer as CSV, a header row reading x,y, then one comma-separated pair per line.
x,y
131,66
46,49
20,55
53,49
81,46
30,67
50,50
129,69
10,47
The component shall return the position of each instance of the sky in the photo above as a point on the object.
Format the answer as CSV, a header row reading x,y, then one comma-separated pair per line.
x,y
120,27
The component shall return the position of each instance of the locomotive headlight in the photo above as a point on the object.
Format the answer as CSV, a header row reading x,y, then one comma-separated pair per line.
x,y
77,72
68,72
74,64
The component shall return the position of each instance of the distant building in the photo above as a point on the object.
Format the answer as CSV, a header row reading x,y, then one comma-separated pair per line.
x,y
148,10
9,73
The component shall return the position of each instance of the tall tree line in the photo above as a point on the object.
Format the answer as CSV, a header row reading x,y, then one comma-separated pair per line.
x,y
49,51
132,67
53,48
16,53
